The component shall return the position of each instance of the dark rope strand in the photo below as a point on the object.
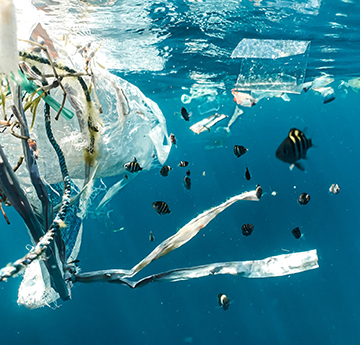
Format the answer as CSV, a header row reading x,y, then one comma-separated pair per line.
x,y
60,216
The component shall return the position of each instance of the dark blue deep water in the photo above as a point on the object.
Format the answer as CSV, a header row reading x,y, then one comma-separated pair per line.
x,y
320,306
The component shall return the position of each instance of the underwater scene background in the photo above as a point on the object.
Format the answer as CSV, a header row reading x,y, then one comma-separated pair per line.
x,y
171,49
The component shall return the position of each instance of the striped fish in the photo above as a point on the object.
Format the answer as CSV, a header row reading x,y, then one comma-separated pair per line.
x,y
294,148
239,150
161,207
133,166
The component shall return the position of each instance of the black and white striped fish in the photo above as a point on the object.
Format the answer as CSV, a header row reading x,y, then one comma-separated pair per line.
x,y
239,150
133,166
294,148
161,207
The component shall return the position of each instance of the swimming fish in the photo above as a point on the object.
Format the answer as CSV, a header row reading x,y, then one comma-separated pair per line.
x,y
133,166
183,164
258,191
187,182
247,174
173,139
185,114
304,198
165,170
125,177
161,207
151,237
224,301
296,232
294,148
239,150
188,172
247,229
334,188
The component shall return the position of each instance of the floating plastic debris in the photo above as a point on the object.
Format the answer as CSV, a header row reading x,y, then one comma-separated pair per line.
x,y
206,124
271,65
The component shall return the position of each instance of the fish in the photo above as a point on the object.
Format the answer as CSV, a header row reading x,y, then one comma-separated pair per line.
x,y
161,207
243,99
172,139
239,150
133,166
188,172
293,148
151,237
165,170
304,198
185,114
187,182
183,164
247,229
126,177
224,301
334,188
296,232
247,174
258,191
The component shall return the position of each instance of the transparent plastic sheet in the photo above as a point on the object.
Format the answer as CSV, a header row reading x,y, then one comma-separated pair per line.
x,y
271,65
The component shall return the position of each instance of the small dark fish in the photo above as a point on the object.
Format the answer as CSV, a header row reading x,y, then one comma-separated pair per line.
x,y
258,191
187,182
247,174
334,188
126,177
304,198
185,114
151,237
161,207
294,148
133,166
183,164
247,229
239,150
224,301
296,232
165,170
173,139
188,172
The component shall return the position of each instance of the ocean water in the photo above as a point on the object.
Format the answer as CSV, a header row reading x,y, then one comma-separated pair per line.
x,y
170,49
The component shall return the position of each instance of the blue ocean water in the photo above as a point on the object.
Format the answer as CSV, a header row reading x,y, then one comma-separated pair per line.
x,y
189,44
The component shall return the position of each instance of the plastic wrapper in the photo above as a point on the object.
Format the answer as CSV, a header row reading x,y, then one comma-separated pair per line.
x,y
271,65
206,124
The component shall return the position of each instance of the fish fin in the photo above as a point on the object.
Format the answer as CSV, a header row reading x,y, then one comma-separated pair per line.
x,y
300,166
291,167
